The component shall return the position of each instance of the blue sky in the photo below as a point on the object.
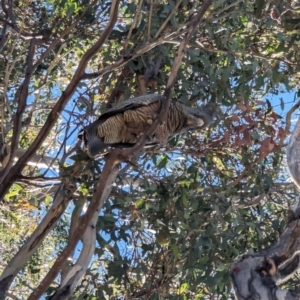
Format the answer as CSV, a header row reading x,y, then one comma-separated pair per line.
x,y
288,98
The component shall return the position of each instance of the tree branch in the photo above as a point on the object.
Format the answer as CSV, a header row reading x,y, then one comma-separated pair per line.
x,y
29,248
293,154
162,27
71,279
37,160
167,38
117,92
288,121
149,20
108,175
59,106
136,149
75,218
261,274
133,24
243,53
21,98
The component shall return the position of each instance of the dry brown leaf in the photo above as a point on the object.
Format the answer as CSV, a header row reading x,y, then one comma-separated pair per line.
x,y
260,102
242,107
227,136
249,108
247,138
235,118
281,133
248,119
267,145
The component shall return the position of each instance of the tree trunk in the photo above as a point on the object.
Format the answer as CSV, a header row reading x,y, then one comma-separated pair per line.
x,y
258,276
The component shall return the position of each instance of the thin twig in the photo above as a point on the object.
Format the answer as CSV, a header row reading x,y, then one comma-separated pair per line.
x,y
108,176
223,9
135,150
244,53
8,71
145,48
21,98
60,38
110,169
109,172
150,20
137,14
288,119
56,42
35,240
13,25
162,27
61,103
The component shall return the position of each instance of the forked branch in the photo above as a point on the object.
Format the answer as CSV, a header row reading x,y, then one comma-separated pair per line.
x,y
14,172
110,169
21,99
74,274
29,248
134,151
108,175
258,276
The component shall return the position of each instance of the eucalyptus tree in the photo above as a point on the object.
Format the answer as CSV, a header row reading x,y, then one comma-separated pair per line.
x,y
160,222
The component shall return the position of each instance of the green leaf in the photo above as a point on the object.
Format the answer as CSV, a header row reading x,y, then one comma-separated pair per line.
x,y
115,270
183,287
258,7
71,9
162,162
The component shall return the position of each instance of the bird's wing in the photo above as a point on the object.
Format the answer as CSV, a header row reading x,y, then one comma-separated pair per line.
x,y
131,104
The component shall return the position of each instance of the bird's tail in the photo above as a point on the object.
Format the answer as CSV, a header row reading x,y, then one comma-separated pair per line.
x,y
92,142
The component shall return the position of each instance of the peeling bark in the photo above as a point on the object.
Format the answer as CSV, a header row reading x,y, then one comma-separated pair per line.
x,y
259,276
75,273
30,247
293,155
36,160
109,171
114,159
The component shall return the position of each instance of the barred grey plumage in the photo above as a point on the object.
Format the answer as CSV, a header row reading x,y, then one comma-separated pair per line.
x,y
123,124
